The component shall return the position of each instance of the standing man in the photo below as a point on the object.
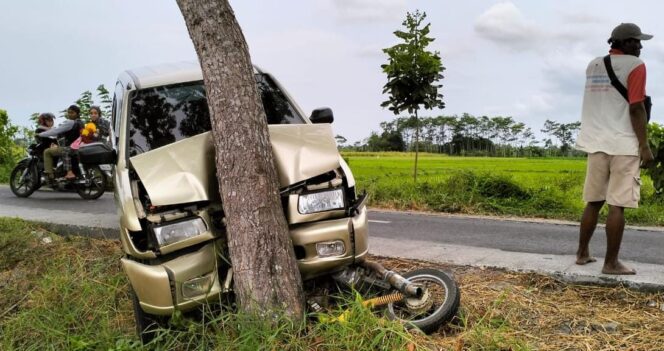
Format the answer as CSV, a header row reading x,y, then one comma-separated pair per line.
x,y
613,133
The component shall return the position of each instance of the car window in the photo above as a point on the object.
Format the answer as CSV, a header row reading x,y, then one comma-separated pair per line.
x,y
278,109
116,107
162,115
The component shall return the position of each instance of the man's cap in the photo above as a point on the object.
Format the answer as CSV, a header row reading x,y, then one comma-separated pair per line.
x,y
629,31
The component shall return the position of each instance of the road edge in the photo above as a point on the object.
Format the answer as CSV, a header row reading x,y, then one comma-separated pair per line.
x,y
507,219
78,230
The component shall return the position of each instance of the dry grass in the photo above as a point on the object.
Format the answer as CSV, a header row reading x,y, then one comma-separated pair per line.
x,y
501,309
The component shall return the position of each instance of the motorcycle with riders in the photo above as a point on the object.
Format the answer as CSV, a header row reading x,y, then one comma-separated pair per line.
x,y
81,173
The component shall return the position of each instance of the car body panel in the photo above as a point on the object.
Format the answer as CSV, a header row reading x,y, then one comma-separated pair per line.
x,y
159,287
348,230
184,171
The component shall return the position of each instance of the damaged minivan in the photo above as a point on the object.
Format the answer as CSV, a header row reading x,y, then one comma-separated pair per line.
x,y
171,220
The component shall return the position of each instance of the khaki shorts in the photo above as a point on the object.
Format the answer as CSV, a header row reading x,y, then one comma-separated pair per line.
x,y
615,179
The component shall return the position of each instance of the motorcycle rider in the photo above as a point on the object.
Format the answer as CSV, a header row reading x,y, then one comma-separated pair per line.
x,y
45,122
68,130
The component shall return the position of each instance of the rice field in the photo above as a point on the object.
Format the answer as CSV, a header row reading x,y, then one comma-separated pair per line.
x,y
523,187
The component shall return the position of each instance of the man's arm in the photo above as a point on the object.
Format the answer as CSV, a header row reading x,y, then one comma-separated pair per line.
x,y
637,114
63,127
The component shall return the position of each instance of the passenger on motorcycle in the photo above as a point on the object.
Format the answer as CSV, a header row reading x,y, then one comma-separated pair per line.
x,y
69,131
45,122
103,126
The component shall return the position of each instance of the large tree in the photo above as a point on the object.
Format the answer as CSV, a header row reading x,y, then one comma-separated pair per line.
x,y
266,276
412,73
564,132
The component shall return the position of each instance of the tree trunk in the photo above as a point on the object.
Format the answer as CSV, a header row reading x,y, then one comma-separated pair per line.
x,y
266,276
417,145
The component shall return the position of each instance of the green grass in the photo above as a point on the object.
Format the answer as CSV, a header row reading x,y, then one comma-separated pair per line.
x,y
70,294
59,294
537,187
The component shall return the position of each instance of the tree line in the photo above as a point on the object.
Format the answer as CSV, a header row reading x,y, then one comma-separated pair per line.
x,y
85,101
469,135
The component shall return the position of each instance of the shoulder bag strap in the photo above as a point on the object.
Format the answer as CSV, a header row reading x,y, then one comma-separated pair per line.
x,y
614,80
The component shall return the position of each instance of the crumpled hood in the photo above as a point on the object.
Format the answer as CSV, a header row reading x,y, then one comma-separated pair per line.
x,y
184,171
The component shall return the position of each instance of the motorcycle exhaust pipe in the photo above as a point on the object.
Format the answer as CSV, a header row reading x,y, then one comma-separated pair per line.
x,y
397,281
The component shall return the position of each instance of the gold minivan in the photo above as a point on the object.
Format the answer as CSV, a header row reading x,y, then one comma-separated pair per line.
x,y
171,220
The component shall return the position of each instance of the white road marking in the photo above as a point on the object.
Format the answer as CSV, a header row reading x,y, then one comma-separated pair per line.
x,y
377,221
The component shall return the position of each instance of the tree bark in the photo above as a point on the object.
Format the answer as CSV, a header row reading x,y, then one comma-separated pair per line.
x,y
417,145
266,276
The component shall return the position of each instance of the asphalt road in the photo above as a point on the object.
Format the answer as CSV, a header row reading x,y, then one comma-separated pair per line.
x,y
644,246
50,200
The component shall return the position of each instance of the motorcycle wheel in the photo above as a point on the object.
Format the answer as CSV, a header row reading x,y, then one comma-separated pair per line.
x,y
147,325
23,180
438,305
95,184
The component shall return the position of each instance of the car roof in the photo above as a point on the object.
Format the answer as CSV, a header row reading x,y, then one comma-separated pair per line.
x,y
168,73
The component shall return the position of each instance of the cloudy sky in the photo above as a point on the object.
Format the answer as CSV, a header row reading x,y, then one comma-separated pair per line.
x,y
524,59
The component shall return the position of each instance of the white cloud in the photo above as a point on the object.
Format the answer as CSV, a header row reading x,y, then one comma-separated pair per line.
x,y
504,24
561,53
369,10
584,19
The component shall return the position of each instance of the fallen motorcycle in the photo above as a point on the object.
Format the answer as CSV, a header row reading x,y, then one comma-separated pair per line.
x,y
424,298
28,176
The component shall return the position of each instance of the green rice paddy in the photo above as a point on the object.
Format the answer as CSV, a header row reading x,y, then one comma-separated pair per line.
x,y
523,187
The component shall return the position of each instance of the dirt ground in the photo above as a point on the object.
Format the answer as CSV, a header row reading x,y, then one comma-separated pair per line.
x,y
518,311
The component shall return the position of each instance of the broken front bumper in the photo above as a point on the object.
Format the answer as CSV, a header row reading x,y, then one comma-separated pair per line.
x,y
352,231
162,287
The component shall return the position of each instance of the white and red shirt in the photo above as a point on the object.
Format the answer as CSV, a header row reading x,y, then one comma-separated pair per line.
x,y
606,125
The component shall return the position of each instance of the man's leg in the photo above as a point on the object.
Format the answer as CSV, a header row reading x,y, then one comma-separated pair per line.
x,y
594,194
615,226
587,228
48,161
66,162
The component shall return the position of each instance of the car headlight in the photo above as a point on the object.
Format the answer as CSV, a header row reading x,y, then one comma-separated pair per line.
x,y
330,248
197,286
321,201
172,233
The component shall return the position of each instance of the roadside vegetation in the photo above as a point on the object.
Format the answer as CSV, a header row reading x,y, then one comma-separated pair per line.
x,y
70,294
10,149
521,187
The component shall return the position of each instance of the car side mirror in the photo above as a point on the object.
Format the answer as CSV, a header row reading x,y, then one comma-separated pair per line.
x,y
322,115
